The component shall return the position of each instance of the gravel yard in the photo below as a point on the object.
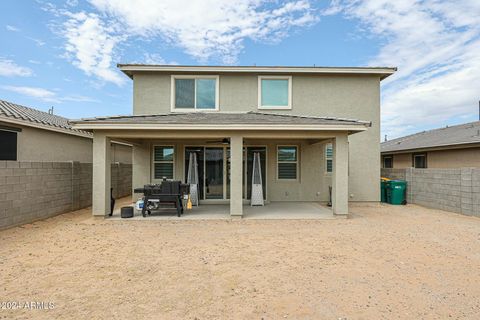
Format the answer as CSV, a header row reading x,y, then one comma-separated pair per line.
x,y
386,262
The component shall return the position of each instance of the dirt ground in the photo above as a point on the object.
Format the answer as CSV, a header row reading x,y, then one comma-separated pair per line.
x,y
386,262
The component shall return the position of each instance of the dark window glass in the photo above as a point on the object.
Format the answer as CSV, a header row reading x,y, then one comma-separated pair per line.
x,y
387,162
419,161
8,145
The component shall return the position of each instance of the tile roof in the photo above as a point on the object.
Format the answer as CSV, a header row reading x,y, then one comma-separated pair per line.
x,y
224,118
448,136
29,115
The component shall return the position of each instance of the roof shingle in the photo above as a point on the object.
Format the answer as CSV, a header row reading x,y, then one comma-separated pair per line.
x,y
25,114
224,118
448,136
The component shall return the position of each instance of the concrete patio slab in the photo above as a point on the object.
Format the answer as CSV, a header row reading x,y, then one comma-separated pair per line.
x,y
273,210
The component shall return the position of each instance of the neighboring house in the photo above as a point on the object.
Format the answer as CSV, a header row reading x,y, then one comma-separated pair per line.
x,y
449,147
28,134
314,127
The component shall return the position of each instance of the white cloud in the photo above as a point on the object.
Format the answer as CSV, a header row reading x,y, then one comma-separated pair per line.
x,y
12,28
46,95
38,42
90,45
34,92
210,28
9,68
435,44
206,30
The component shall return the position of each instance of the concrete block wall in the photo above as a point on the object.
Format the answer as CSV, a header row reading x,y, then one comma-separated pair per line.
x,y
31,191
455,190
121,179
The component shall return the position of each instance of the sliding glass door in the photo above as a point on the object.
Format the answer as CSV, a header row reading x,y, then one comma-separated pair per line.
x,y
214,173
214,170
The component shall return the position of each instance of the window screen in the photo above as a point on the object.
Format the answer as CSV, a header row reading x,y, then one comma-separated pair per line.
x,y
195,93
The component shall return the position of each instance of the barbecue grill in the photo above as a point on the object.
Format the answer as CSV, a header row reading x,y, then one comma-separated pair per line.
x,y
168,192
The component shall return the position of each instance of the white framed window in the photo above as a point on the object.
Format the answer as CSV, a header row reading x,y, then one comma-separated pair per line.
x,y
194,93
274,92
163,162
329,158
287,162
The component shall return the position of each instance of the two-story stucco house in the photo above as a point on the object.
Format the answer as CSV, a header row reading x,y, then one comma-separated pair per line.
x,y
314,127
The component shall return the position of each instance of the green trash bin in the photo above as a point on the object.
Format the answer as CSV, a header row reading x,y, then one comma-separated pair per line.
x,y
383,190
396,192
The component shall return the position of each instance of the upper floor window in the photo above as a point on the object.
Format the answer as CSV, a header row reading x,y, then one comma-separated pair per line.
x,y
194,93
274,92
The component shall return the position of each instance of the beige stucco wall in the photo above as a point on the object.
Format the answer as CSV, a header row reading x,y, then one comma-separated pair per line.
x,y
35,144
403,160
352,96
43,145
455,158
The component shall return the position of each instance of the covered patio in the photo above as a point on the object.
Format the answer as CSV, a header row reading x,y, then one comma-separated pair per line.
x,y
237,130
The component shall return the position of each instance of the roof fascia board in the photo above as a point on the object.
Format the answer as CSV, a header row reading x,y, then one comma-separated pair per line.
x,y
383,72
190,127
451,146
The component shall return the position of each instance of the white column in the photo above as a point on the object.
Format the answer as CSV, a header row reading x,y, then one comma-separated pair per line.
x,y
340,175
101,174
236,175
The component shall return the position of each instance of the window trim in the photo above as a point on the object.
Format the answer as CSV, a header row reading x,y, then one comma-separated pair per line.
x,y
419,154
173,108
328,158
288,107
383,161
297,163
163,161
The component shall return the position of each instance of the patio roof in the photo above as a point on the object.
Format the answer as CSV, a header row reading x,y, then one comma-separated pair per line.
x,y
222,120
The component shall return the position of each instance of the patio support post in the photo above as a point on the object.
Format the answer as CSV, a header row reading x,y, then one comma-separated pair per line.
x,y
101,174
236,175
340,175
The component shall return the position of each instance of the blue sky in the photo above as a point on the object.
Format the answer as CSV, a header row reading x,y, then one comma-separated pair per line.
x,y
64,53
